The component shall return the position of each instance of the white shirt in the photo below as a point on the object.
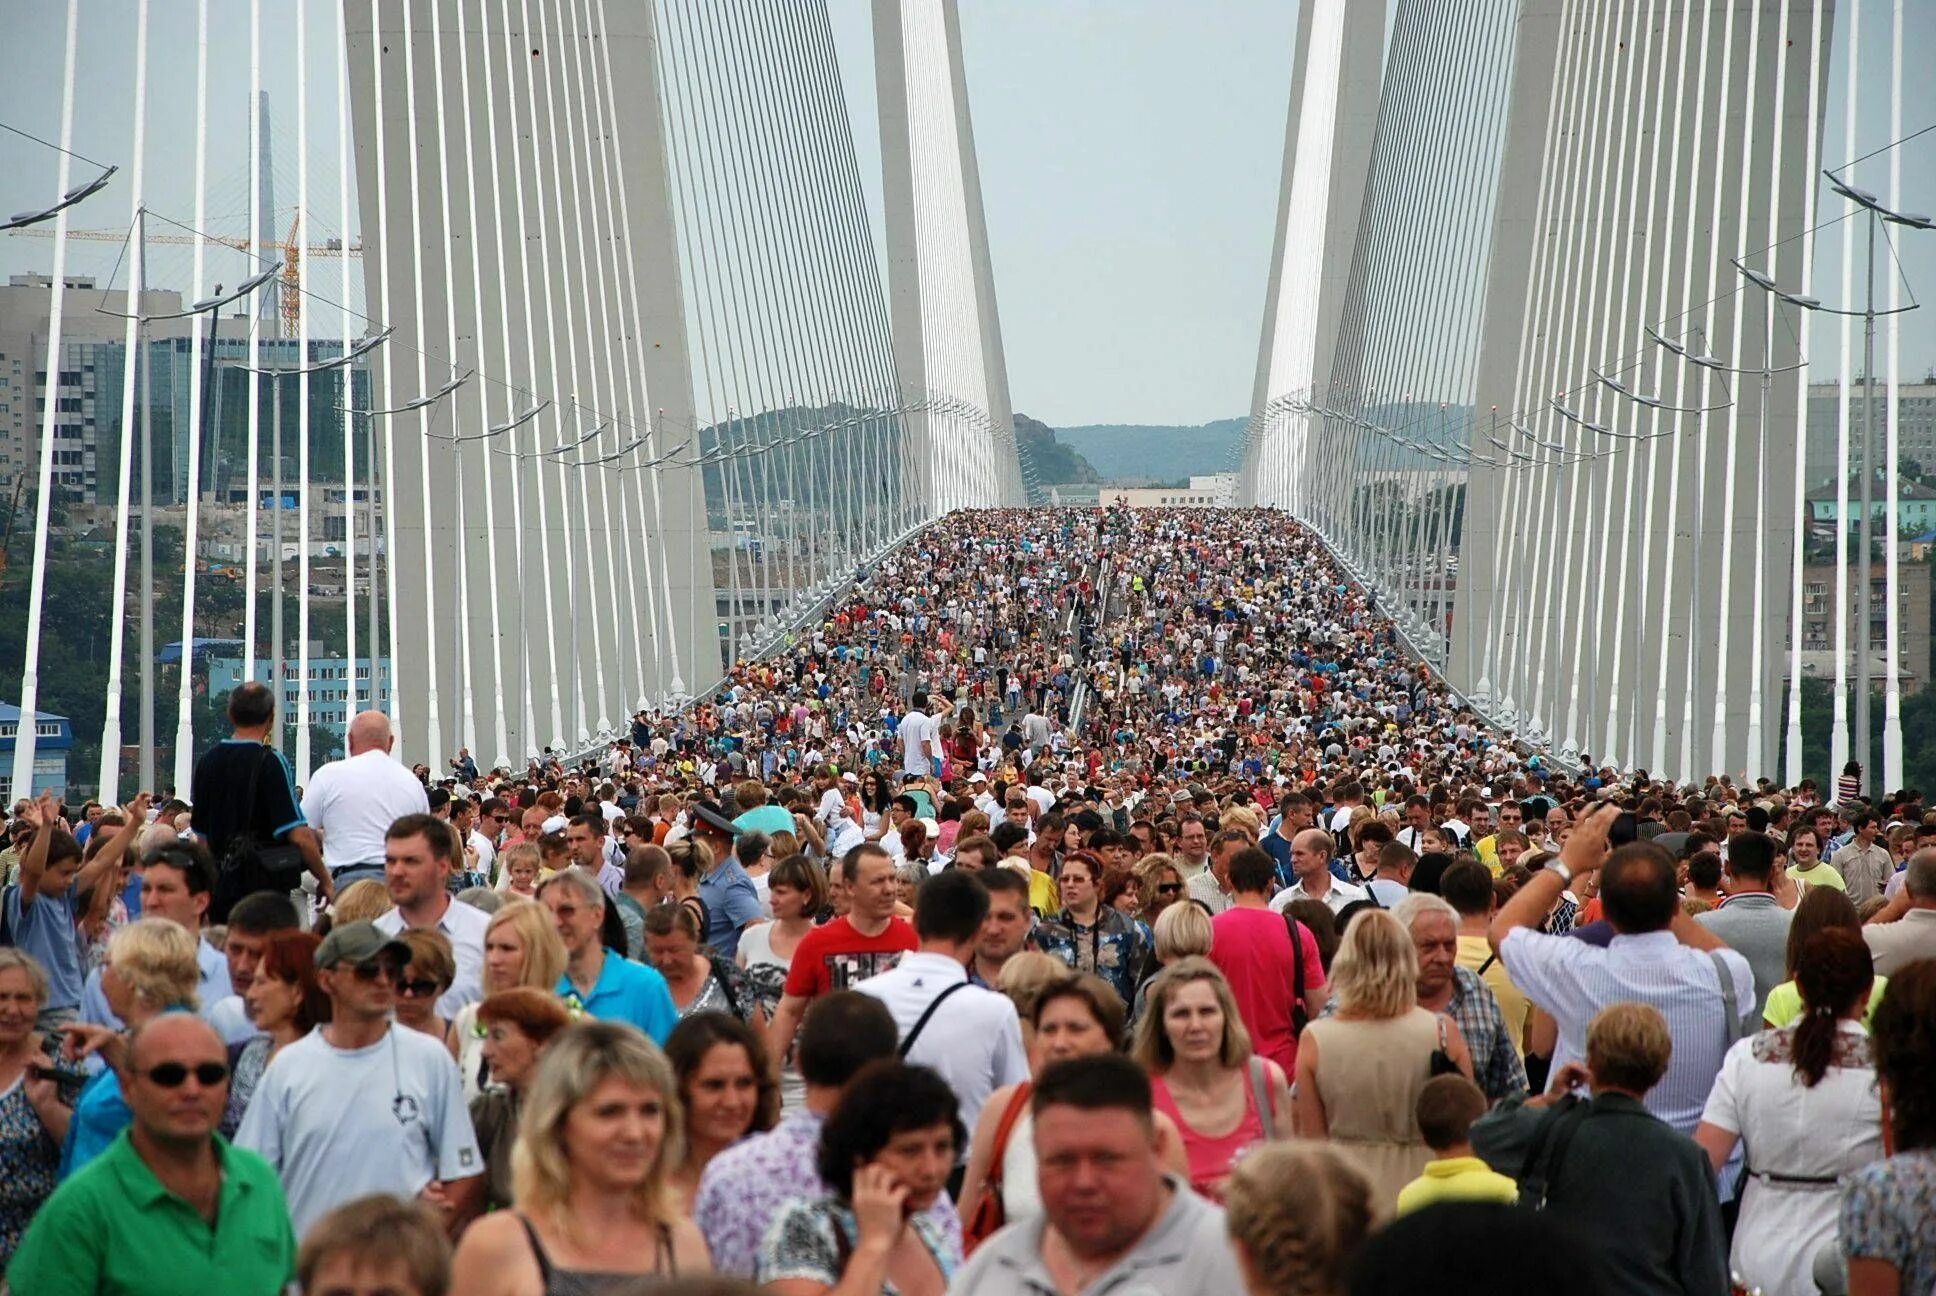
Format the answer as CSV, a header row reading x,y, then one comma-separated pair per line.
x,y
327,1120
465,926
917,732
352,803
1791,1129
974,1040
1574,980
1340,895
486,852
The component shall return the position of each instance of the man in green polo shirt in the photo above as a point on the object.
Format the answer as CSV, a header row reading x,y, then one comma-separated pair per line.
x,y
170,1209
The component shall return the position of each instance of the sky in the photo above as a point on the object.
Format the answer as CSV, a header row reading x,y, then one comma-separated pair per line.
x,y
1129,152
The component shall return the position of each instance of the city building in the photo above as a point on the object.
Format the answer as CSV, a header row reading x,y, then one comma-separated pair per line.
x,y
1912,623
329,685
89,393
53,739
1915,505
1916,412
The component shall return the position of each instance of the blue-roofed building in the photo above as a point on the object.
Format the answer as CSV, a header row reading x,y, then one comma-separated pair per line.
x,y
53,739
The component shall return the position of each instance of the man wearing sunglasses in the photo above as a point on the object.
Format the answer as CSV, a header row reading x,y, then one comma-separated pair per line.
x,y
209,1217
361,1105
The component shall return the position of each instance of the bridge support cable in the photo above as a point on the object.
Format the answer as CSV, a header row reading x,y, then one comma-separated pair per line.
x,y
1508,366
1650,142
946,326
23,751
784,302
136,368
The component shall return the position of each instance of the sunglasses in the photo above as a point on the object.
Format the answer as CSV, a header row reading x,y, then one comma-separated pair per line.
x,y
420,987
172,1075
378,970
1168,888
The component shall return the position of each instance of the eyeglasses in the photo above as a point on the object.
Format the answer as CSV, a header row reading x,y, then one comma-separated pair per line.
x,y
172,1075
418,986
378,970
1168,888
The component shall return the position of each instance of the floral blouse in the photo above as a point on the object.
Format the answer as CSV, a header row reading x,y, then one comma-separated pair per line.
x,y
1114,948
805,1241
29,1167
1889,1213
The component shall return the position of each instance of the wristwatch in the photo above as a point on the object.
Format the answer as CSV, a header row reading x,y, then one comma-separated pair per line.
x,y
1565,873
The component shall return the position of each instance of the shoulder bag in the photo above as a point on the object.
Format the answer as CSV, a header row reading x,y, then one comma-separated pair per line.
x,y
986,1213
250,865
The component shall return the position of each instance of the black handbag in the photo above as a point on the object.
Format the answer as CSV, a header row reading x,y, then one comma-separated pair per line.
x,y
250,865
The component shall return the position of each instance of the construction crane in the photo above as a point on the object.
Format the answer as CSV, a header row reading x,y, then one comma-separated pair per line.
x,y
289,304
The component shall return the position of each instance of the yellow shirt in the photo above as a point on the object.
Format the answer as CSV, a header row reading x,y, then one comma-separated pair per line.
x,y
1464,1178
1514,1006
1487,849
1784,1005
1045,897
1820,875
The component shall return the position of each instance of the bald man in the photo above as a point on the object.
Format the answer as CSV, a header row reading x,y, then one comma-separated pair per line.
x,y
1311,862
352,802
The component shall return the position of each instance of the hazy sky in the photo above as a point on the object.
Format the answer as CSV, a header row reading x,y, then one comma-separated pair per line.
x,y
1129,151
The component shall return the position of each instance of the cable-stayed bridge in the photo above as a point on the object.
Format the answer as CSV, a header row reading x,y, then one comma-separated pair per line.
x,y
579,367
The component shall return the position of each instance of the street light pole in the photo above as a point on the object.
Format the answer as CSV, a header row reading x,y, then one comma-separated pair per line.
x,y
1865,582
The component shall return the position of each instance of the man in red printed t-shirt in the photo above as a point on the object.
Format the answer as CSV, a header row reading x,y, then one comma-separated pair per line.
x,y
868,941
1251,946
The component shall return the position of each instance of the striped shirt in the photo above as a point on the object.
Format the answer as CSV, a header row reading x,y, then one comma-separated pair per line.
x,y
1573,980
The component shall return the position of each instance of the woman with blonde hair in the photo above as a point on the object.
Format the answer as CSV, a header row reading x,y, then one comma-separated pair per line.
x,y
364,900
151,969
1223,1099
1297,1212
1360,1070
1181,931
599,1135
521,948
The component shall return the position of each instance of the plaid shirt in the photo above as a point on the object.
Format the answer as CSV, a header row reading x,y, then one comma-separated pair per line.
x,y
1495,1062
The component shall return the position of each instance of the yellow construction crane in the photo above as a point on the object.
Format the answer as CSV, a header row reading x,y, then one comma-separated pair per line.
x,y
289,291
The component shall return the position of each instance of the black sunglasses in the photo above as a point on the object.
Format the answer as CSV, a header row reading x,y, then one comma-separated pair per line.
x,y
1168,888
378,968
172,1075
420,986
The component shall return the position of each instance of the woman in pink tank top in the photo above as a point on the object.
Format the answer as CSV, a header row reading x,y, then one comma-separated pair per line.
x,y
1224,1100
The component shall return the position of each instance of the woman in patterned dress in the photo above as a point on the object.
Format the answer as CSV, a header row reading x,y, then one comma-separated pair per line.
x,y
699,983
33,1114
885,1154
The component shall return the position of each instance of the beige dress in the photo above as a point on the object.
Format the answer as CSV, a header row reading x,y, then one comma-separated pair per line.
x,y
1369,1074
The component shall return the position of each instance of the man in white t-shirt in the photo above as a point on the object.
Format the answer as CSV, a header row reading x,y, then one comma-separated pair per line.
x,y
361,1105
919,733
352,802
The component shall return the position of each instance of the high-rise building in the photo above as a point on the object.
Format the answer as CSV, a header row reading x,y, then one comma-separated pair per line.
x,y
1912,625
1916,406
89,392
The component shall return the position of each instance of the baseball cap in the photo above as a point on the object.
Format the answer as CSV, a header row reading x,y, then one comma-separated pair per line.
x,y
358,942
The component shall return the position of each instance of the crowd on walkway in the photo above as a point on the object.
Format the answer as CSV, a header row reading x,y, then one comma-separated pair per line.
x,y
1097,901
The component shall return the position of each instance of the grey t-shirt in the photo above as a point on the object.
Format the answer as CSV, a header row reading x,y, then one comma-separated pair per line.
x,y
1186,1253
338,1124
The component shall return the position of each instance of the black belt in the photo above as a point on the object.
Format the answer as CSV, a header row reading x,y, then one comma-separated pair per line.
x,y
1796,1181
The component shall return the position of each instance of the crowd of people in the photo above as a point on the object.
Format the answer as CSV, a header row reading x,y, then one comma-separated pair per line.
x,y
1097,901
